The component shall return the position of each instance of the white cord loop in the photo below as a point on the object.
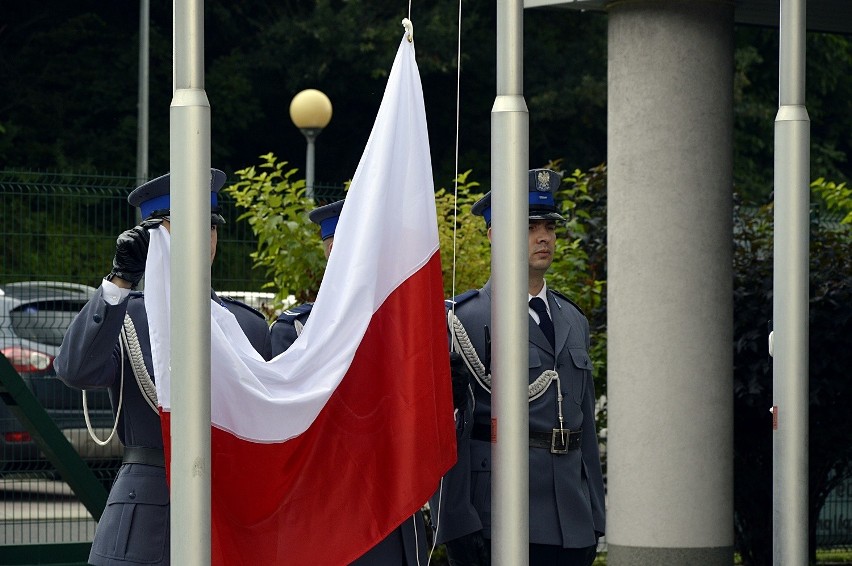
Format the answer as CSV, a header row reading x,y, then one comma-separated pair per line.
x,y
128,342
137,363
409,29
463,345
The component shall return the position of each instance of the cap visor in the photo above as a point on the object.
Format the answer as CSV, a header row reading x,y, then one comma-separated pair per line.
x,y
541,215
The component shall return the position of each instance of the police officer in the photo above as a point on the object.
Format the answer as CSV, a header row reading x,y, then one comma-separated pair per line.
x,y
566,492
107,346
406,545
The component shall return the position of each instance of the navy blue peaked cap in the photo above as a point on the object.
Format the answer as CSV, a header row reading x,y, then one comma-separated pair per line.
x,y
326,217
543,184
153,197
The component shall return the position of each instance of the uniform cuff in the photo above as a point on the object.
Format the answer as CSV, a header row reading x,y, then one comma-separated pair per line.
x,y
113,294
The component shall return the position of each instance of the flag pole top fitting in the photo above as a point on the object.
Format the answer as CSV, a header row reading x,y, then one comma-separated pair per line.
x,y
409,29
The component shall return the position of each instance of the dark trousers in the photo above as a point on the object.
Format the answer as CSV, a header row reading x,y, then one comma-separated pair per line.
x,y
549,555
540,555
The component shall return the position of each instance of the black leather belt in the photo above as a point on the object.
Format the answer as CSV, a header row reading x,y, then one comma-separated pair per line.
x,y
144,455
559,441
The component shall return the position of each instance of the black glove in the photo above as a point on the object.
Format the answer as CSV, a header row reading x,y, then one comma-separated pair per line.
x,y
131,251
469,550
461,380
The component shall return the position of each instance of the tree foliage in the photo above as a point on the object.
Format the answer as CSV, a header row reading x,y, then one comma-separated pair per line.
x,y
828,62
288,246
70,71
830,389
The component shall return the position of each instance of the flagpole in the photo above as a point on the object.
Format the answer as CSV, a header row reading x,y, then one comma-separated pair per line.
x,y
189,157
509,311
790,302
142,113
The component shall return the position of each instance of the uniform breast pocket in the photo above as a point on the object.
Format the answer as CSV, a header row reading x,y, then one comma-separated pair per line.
x,y
135,522
581,367
535,358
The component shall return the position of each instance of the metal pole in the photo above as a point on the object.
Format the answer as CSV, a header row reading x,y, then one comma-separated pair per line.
x,y
142,110
790,292
310,161
510,275
189,155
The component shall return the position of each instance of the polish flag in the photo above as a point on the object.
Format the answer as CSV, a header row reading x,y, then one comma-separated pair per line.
x,y
321,452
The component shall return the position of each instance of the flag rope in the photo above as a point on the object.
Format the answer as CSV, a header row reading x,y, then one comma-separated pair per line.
x,y
436,514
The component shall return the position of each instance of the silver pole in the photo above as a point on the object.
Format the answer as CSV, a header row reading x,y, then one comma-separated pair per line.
x,y
189,156
310,160
142,111
509,267
790,292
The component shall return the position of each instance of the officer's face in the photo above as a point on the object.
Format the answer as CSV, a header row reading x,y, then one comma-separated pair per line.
x,y
542,243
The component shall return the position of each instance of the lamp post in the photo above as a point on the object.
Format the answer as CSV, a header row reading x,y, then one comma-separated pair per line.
x,y
310,111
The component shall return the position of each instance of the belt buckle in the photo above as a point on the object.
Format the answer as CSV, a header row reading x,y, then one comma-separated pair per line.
x,y
559,441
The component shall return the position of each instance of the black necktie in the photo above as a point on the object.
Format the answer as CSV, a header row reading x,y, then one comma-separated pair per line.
x,y
544,321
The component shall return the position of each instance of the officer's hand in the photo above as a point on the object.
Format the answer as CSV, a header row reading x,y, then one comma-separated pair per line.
x,y
469,550
131,251
461,380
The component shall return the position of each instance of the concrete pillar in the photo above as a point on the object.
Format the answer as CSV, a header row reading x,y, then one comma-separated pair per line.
x,y
670,319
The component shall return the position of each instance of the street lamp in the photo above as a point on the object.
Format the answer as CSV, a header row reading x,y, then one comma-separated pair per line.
x,y
310,111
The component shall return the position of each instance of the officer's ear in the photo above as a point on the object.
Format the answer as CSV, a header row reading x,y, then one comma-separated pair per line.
x,y
489,233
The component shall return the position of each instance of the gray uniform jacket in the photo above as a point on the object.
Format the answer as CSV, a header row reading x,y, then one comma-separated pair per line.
x,y
566,490
403,545
134,528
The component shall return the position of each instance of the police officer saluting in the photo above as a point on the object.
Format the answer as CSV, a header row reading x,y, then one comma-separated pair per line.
x,y
107,346
566,492
406,545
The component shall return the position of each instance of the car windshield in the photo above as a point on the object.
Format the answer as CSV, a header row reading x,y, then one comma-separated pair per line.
x,y
43,310
44,321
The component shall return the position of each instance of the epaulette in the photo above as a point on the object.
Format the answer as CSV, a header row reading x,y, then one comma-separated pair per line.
x,y
293,313
459,299
232,301
561,296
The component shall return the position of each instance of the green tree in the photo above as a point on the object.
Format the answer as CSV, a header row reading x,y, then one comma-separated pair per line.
x,y
465,254
829,60
69,76
830,391
276,208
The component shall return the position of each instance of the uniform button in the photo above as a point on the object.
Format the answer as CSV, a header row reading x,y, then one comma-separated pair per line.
x,y
132,495
484,463
97,318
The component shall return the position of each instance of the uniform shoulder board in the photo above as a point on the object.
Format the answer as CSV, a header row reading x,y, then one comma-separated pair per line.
x,y
293,313
235,302
561,296
459,299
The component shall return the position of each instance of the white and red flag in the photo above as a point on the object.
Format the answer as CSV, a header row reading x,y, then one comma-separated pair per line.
x,y
319,453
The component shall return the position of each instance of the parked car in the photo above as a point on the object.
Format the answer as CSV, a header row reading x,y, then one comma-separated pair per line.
x,y
33,318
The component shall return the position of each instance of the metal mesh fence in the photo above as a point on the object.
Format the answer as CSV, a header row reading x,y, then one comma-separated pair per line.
x,y
834,526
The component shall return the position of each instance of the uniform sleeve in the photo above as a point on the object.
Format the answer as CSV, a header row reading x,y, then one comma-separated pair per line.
x,y
591,451
453,514
88,356
282,335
